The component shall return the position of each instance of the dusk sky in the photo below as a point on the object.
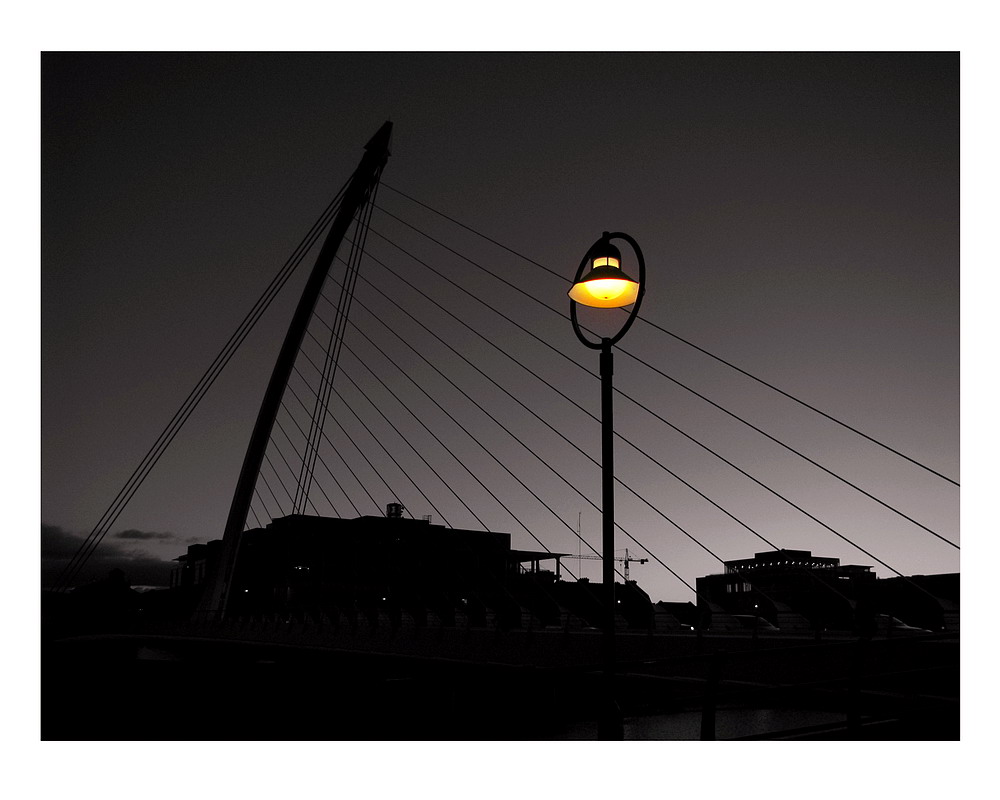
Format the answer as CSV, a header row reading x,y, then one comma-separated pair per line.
x,y
799,217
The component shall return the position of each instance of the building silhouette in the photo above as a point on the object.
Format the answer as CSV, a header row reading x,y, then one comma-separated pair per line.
x,y
392,571
399,572
793,590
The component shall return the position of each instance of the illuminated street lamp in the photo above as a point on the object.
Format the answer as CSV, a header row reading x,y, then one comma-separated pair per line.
x,y
606,286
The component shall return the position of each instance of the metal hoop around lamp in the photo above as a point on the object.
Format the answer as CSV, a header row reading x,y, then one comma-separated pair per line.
x,y
609,341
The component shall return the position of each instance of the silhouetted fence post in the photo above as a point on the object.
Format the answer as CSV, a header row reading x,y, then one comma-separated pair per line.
x,y
710,698
854,687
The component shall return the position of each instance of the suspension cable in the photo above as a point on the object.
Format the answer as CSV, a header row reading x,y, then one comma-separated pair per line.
x,y
267,458
573,361
277,422
252,511
675,336
617,480
335,450
686,533
263,506
180,417
342,459
559,392
381,445
801,403
793,505
451,417
263,477
336,334
415,417
487,413
285,461
551,469
356,416
792,450
747,577
360,360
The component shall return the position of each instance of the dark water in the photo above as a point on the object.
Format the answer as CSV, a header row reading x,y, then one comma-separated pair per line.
x,y
124,692
103,693
730,723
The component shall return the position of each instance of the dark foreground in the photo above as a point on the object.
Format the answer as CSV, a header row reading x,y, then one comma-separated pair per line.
x,y
124,688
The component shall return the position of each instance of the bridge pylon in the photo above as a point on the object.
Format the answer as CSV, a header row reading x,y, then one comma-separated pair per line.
x,y
357,193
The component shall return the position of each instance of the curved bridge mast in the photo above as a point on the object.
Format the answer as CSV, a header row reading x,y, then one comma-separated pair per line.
x,y
360,187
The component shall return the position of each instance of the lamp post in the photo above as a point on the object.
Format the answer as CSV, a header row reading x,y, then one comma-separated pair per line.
x,y
606,286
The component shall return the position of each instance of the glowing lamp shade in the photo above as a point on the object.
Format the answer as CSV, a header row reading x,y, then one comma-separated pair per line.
x,y
605,286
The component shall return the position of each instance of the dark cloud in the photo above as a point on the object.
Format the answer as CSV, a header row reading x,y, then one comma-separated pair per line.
x,y
58,547
57,543
134,534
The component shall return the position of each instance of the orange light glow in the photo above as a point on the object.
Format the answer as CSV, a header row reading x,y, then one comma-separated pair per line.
x,y
605,292
606,286
606,289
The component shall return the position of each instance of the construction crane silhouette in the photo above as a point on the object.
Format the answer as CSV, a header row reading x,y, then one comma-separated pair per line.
x,y
625,559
